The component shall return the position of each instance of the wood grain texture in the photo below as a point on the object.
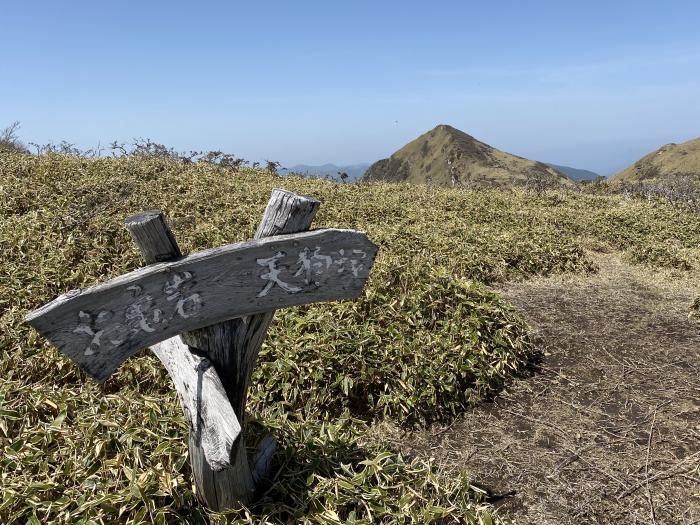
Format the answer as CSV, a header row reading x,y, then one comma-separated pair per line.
x,y
219,463
287,213
234,346
213,423
100,327
151,233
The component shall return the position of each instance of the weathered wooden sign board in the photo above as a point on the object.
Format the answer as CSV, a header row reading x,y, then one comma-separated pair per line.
x,y
100,327
205,317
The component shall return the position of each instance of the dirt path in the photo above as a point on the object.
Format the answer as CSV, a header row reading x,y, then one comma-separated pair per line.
x,y
608,430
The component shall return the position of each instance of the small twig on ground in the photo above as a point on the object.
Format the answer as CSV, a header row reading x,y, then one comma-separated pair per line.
x,y
569,449
669,472
650,499
443,430
595,467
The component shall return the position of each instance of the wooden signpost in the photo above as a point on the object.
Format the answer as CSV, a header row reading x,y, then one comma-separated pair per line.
x,y
205,316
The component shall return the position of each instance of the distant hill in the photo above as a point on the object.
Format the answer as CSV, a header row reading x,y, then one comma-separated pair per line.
x,y
354,171
447,156
575,173
671,160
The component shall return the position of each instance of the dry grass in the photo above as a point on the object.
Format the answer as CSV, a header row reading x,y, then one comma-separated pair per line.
x,y
606,430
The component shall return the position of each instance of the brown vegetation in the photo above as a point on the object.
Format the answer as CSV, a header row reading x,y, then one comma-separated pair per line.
x,y
446,156
671,160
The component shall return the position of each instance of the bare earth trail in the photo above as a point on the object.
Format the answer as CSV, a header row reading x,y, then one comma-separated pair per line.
x,y
607,430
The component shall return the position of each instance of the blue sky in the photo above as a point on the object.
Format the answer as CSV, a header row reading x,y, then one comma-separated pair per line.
x,y
588,84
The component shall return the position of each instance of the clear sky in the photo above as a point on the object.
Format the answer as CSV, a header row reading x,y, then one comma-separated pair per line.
x,y
591,84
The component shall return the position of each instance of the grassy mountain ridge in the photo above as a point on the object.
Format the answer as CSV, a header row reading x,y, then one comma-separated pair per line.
x,y
670,160
446,156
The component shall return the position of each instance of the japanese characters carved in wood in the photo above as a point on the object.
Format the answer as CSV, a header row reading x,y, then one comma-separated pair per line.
x,y
100,327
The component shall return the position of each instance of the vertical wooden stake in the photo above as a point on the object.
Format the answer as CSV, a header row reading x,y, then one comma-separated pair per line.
x,y
231,348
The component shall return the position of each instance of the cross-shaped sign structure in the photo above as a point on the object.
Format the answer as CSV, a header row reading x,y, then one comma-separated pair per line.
x,y
205,317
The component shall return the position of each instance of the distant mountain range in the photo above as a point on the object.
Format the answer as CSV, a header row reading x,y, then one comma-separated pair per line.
x,y
447,156
331,171
575,173
671,160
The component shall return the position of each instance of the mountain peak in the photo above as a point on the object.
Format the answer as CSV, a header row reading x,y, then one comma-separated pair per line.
x,y
447,130
448,156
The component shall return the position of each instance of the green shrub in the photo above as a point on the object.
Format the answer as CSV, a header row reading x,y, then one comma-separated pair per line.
x,y
655,233
332,477
660,255
420,346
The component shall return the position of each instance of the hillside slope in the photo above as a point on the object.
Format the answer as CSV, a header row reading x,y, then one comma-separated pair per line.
x,y
449,157
671,160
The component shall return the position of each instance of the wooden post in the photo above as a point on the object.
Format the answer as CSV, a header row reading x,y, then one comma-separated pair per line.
x,y
205,316
231,348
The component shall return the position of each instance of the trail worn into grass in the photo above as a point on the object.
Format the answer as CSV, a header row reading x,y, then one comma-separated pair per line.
x,y
607,430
